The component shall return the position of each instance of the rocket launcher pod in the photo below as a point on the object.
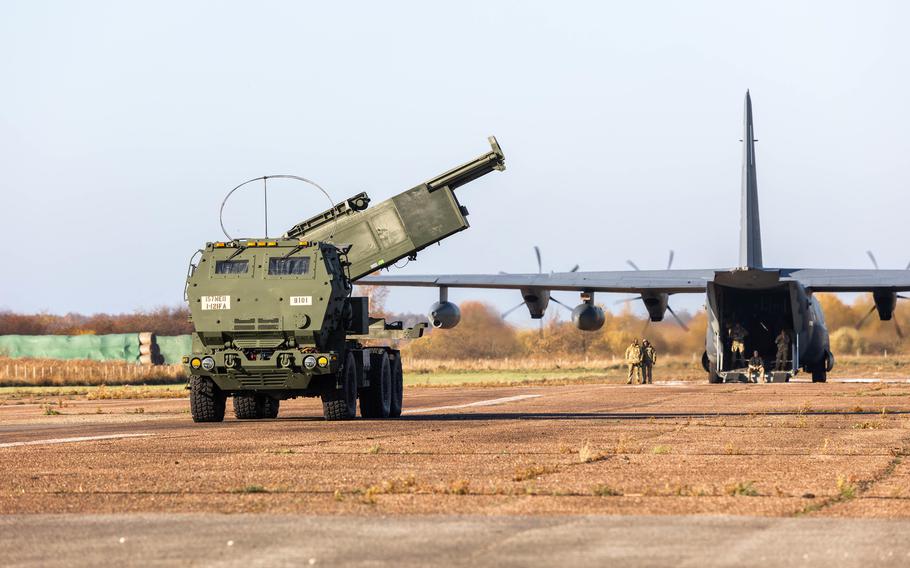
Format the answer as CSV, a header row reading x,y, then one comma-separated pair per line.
x,y
403,225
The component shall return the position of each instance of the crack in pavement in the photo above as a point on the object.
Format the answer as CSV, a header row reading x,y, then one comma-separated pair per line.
x,y
862,486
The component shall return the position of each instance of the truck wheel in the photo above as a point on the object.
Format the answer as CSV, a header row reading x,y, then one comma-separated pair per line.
x,y
268,406
207,402
376,399
245,407
397,387
253,406
341,404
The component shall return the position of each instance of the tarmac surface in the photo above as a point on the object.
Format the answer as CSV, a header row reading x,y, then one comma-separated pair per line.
x,y
273,540
536,473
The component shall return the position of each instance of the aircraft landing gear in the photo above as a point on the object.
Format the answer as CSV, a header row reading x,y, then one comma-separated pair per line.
x,y
819,375
713,377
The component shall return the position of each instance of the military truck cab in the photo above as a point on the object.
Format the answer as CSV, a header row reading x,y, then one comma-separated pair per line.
x,y
274,319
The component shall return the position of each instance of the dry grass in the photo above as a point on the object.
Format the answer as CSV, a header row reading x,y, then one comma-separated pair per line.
x,y
533,472
52,372
606,491
742,489
134,392
573,369
478,372
846,488
569,362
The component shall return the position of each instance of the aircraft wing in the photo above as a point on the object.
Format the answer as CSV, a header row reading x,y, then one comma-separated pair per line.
x,y
625,281
849,280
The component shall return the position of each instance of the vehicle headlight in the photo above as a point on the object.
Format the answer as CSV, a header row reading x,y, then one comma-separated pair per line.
x,y
309,361
208,363
196,363
323,361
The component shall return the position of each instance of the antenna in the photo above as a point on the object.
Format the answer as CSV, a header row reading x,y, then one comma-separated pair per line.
x,y
266,200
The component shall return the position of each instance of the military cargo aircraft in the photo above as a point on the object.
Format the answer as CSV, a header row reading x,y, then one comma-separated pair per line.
x,y
763,300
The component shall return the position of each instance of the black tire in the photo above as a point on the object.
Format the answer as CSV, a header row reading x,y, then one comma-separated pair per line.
x,y
246,407
397,387
819,375
207,402
376,399
713,377
268,406
255,406
341,404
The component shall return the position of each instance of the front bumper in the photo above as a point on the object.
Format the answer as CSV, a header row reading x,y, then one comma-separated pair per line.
x,y
262,375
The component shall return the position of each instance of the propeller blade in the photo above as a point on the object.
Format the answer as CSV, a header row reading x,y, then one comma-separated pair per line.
x,y
627,300
509,311
860,323
574,268
681,323
897,328
670,262
633,265
541,327
561,304
539,261
900,297
872,258
644,328
907,267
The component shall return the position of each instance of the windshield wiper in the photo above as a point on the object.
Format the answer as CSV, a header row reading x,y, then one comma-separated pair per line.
x,y
293,250
236,252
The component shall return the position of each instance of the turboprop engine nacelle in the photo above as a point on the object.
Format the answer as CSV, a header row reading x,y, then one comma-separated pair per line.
x,y
537,300
885,302
656,304
586,316
444,315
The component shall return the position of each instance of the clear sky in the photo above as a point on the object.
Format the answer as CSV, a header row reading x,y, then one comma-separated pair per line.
x,y
123,124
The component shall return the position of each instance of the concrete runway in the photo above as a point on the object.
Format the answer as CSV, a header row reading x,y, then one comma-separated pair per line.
x,y
670,474
269,540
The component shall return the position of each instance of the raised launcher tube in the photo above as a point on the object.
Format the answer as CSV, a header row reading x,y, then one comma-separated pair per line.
x,y
403,225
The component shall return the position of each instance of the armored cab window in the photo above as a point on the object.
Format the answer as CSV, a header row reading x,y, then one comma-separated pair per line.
x,y
231,266
291,266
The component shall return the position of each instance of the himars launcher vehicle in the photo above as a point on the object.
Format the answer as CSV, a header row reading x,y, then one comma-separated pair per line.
x,y
274,318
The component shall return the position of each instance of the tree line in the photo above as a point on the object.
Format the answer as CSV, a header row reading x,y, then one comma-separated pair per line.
x,y
482,333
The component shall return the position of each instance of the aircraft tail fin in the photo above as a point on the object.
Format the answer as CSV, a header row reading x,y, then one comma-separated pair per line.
x,y
750,229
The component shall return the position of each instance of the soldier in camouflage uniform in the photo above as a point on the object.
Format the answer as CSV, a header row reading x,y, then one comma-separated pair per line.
x,y
633,359
783,351
756,367
648,359
738,345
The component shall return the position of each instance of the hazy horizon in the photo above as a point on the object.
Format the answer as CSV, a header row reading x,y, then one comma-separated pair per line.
x,y
122,127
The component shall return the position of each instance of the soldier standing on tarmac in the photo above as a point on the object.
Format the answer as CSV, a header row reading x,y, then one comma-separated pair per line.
x,y
633,359
783,351
738,345
648,359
